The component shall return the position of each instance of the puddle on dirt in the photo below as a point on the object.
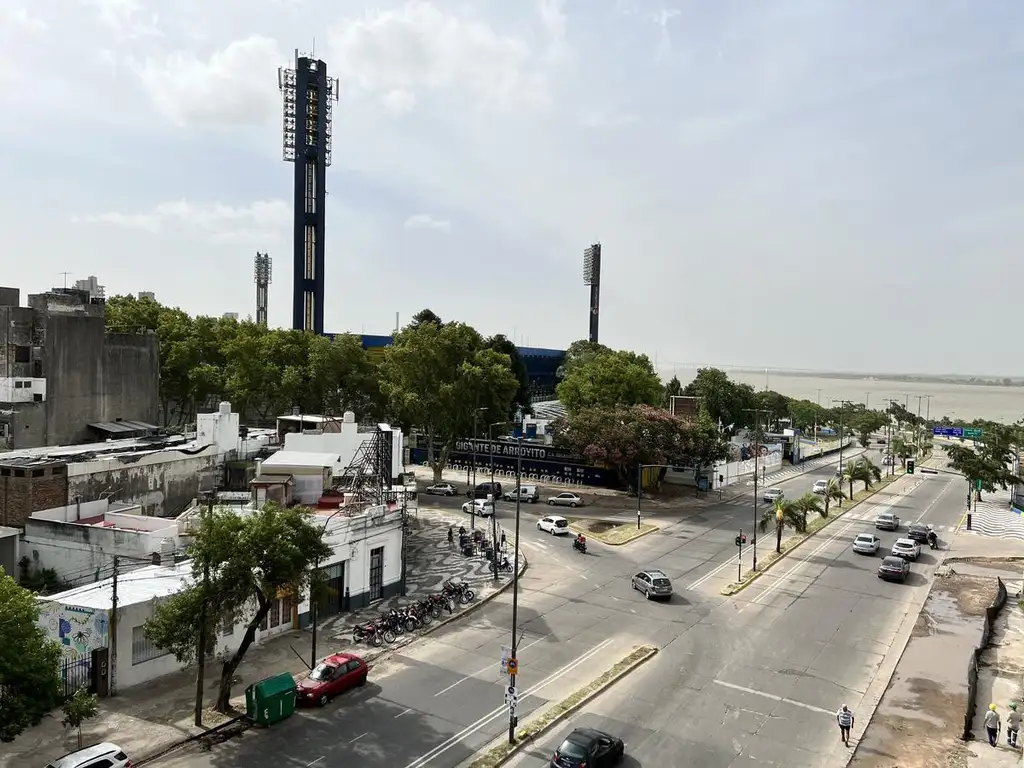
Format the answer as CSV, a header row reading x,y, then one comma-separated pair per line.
x,y
601,526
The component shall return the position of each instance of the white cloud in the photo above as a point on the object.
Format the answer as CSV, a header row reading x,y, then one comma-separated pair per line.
x,y
425,221
552,16
234,86
418,47
21,18
261,220
399,101
127,19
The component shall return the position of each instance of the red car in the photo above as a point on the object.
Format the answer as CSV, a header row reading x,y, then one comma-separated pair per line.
x,y
332,676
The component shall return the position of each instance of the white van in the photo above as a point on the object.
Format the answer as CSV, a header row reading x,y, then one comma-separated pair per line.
x,y
527,493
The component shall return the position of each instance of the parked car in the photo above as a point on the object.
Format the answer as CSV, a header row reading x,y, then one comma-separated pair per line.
x,y
887,521
442,489
527,493
918,532
771,494
485,490
553,524
588,747
567,499
906,548
481,507
653,583
105,755
820,486
334,675
894,569
867,544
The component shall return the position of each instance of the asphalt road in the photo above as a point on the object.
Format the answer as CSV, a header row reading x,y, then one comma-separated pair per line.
x,y
758,679
440,699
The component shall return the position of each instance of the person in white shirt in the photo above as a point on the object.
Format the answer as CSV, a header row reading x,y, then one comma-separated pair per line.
x,y
845,719
992,725
1012,725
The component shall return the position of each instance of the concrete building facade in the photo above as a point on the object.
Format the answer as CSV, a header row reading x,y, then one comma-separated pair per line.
x,y
60,371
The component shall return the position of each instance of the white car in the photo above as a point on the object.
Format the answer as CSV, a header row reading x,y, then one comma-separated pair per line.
x,y
105,755
772,494
908,549
442,489
481,507
867,544
820,486
554,525
567,499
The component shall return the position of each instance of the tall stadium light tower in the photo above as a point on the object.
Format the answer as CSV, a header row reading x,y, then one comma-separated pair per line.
x,y
309,97
264,265
592,277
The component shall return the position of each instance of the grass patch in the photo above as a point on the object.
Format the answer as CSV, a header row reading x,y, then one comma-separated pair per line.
x,y
610,532
497,755
813,527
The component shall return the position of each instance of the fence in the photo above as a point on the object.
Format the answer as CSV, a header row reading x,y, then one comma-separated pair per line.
x,y
991,614
76,673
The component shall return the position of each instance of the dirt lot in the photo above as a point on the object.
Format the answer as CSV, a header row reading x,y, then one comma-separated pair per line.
x,y
919,720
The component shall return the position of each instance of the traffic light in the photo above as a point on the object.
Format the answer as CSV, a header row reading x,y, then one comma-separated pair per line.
x,y
740,540
910,466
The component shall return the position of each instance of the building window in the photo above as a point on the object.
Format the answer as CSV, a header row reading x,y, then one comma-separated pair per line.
x,y
59,470
38,472
142,649
19,473
27,384
19,384
37,398
22,354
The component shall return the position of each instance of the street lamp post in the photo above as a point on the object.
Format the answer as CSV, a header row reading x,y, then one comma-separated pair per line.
x,y
842,414
757,454
515,595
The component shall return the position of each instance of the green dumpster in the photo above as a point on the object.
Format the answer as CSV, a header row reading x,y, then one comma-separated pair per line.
x,y
271,700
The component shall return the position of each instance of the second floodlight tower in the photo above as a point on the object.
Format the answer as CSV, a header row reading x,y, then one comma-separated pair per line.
x,y
592,277
309,97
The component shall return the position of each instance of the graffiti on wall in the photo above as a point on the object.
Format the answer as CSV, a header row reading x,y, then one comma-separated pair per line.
x,y
78,630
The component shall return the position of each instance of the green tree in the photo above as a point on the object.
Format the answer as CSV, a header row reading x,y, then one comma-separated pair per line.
x,y
521,399
989,460
81,706
868,472
608,380
673,389
783,513
724,401
341,377
776,406
833,492
438,378
903,449
250,559
425,316
810,503
866,422
30,684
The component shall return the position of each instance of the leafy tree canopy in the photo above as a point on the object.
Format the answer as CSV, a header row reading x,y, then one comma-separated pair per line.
x,y
521,400
621,437
990,459
425,316
579,352
30,684
442,379
610,379
723,400
249,560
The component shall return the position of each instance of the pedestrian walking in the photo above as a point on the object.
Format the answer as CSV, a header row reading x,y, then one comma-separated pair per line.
x,y
992,725
503,541
1012,725
845,719
451,537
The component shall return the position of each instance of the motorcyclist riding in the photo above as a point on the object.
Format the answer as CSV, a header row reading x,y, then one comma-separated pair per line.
x,y
933,538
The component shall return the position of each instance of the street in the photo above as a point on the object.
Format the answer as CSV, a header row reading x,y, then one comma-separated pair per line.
x,y
757,675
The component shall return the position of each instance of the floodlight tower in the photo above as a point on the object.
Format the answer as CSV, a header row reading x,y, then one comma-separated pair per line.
x,y
592,277
264,265
309,97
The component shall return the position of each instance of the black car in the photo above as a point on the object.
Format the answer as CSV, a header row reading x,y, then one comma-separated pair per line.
x,y
918,532
588,748
894,569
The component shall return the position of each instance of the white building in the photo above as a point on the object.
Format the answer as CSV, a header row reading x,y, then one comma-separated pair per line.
x,y
308,474
342,438
147,295
91,285
80,541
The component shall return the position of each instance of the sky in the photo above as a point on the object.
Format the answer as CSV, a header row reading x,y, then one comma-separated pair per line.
x,y
784,183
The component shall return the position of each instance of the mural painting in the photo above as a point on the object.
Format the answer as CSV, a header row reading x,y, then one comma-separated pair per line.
x,y
78,630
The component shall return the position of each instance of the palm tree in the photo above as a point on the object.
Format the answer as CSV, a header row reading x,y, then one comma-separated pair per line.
x,y
870,473
850,474
784,513
810,502
833,492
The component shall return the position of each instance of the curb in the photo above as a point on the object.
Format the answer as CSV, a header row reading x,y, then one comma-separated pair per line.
x,y
636,534
734,589
526,740
395,647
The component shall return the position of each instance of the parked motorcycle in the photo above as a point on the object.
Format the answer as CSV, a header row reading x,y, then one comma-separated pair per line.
x,y
373,634
458,591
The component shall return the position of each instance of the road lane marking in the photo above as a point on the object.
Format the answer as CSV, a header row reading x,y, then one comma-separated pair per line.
x,y
489,666
406,712
711,574
780,699
440,749
934,501
315,762
357,738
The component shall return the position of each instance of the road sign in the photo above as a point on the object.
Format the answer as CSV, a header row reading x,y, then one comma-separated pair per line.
x,y
948,431
512,666
506,653
973,432
977,484
511,697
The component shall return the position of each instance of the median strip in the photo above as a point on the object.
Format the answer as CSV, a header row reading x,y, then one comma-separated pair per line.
x,y
542,723
611,532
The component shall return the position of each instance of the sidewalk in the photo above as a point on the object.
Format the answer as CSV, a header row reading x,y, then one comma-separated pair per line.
x,y
148,719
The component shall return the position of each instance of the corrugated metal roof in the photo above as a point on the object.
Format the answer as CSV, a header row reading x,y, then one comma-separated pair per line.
x,y
133,587
122,427
300,459
271,479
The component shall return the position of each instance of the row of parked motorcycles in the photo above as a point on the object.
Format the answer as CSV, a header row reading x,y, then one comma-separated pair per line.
x,y
396,622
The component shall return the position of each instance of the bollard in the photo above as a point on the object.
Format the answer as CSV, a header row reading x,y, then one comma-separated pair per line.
x,y
968,521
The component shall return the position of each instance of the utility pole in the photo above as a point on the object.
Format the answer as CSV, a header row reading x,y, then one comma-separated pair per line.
x,y
757,453
113,626
512,719
494,496
203,640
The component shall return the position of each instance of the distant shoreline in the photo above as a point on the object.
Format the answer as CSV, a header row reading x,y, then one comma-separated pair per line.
x,y
977,381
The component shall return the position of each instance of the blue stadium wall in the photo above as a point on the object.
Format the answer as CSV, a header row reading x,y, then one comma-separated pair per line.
x,y
541,364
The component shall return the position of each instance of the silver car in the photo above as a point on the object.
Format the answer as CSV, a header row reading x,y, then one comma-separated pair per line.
x,y
772,494
567,499
653,583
